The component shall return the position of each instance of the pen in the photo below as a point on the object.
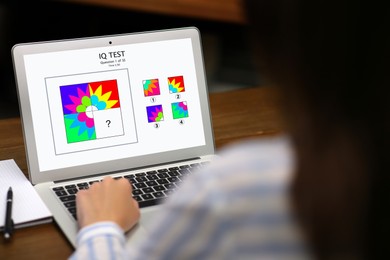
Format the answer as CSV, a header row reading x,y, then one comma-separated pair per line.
x,y
8,215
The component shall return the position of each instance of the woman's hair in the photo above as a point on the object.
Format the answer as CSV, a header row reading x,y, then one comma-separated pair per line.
x,y
329,60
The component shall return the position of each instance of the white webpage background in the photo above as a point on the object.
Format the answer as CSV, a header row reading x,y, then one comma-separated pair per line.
x,y
155,60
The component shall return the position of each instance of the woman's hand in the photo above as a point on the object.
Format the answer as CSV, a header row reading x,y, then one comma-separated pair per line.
x,y
108,200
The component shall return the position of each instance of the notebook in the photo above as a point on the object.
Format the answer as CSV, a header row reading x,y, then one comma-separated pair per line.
x,y
130,106
27,208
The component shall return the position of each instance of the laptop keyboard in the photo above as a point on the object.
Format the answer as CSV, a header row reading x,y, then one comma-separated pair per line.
x,y
149,188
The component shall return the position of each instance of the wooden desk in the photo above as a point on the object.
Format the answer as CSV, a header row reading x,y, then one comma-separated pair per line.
x,y
230,11
236,115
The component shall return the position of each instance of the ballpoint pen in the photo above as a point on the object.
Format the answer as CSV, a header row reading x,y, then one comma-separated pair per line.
x,y
8,216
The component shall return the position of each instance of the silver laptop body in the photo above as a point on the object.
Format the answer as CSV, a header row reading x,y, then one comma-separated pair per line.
x,y
129,105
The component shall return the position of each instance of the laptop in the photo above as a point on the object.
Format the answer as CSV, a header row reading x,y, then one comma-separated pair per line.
x,y
129,106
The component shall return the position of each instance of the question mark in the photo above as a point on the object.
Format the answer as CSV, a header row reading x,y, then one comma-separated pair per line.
x,y
108,122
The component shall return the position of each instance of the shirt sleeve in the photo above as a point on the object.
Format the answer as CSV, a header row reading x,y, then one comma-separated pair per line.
x,y
188,227
102,240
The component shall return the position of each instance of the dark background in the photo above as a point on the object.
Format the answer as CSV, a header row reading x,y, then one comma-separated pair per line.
x,y
228,60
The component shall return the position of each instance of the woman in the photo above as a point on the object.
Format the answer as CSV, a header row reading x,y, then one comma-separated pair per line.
x,y
329,62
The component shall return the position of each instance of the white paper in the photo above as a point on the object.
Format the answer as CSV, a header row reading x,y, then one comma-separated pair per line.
x,y
27,205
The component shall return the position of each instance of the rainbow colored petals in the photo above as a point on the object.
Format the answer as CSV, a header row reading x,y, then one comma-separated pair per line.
x,y
176,84
155,113
81,104
151,87
179,110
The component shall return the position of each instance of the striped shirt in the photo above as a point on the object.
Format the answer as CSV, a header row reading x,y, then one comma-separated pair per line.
x,y
235,208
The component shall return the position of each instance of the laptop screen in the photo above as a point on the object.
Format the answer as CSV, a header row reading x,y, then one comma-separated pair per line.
x,y
105,104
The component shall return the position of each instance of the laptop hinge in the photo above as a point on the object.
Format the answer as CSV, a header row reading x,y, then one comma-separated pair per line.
x,y
126,170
